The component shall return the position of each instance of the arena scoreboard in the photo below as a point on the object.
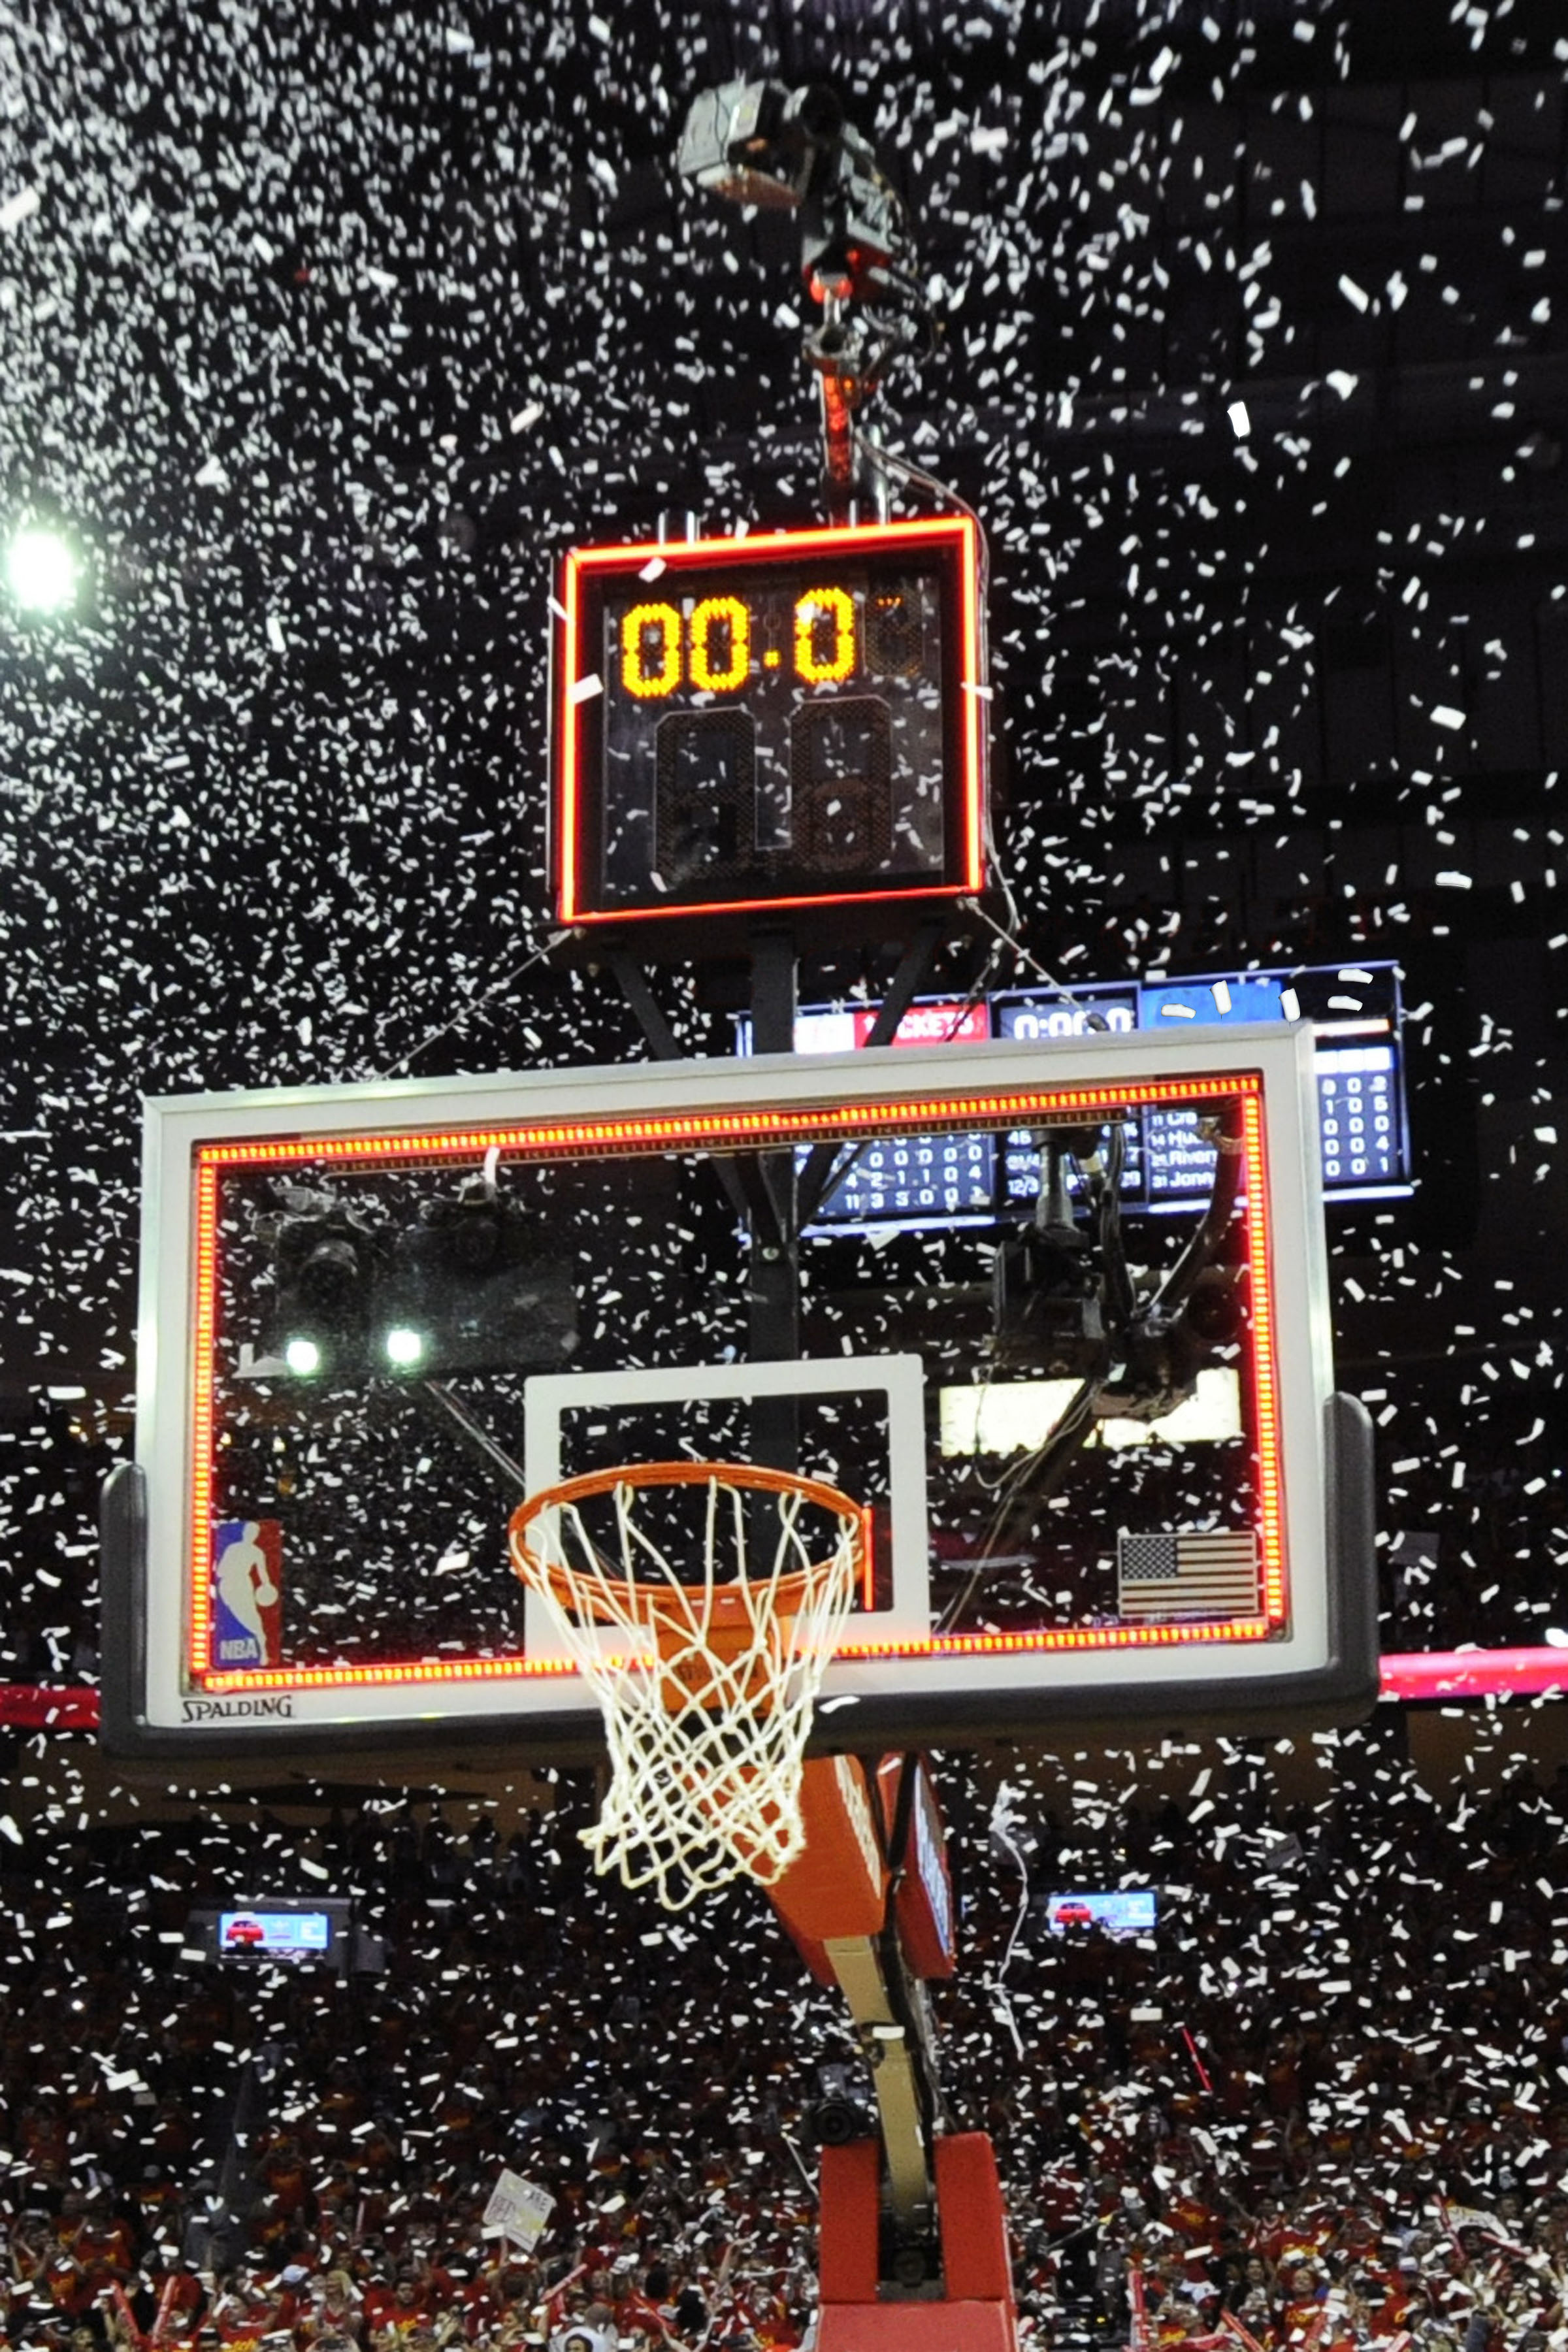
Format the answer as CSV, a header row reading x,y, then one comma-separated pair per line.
x,y
754,725
942,1180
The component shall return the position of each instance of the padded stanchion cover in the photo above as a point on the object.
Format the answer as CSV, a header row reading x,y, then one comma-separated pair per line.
x,y
851,2223
973,2221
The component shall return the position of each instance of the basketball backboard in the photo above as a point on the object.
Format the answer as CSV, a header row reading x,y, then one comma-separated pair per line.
x,y
372,1316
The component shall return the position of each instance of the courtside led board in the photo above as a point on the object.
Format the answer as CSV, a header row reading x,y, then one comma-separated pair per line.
x,y
372,1318
775,723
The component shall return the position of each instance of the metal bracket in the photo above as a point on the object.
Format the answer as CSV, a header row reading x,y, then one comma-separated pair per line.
x,y
894,2073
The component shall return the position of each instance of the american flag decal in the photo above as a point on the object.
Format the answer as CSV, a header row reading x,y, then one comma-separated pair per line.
x,y
1209,1575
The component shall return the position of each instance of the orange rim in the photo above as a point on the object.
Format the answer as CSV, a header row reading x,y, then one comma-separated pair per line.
x,y
727,1601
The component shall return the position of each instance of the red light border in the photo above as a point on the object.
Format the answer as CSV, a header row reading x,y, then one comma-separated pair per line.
x,y
960,532
777,1126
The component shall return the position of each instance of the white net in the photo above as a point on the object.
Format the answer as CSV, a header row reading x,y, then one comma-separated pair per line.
x,y
707,1699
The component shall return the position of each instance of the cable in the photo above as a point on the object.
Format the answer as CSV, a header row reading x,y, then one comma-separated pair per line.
x,y
886,460
1001,1826
1037,1473
394,1069
1200,1251
1120,1295
1062,987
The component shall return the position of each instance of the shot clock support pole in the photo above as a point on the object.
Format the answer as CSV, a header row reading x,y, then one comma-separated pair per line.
x,y
774,1301
914,967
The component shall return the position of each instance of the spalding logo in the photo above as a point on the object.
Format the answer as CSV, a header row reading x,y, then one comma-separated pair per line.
x,y
275,1705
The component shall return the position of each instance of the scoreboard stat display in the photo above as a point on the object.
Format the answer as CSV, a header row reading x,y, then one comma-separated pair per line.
x,y
975,1178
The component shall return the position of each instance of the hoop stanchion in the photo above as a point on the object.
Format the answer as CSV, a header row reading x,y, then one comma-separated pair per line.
x,y
731,1584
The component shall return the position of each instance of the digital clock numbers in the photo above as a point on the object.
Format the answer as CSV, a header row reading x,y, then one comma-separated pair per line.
x,y
773,723
661,649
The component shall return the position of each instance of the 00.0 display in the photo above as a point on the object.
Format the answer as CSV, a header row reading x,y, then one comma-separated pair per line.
x,y
712,650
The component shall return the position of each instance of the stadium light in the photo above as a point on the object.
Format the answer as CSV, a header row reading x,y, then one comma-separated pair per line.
x,y
303,1356
41,570
404,1346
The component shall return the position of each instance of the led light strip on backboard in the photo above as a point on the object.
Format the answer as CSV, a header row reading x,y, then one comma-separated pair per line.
x,y
720,1106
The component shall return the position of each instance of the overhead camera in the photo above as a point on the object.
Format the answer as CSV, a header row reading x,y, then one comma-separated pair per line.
x,y
1064,1299
470,1284
757,143
1048,1293
325,1260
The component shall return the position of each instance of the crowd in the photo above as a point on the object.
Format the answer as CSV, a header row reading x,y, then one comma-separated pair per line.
x,y
1325,2105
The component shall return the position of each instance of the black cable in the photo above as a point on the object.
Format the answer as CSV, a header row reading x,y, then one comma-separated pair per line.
x,y
1120,1299
1204,1246
1041,1472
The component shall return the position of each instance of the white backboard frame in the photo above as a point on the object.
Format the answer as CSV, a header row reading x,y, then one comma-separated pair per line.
x,y
911,1695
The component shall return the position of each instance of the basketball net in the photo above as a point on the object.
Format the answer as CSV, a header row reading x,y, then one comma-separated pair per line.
x,y
708,1698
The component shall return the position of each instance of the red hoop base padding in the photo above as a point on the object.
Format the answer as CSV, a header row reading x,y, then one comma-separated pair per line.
x,y
917,2328
978,2313
838,1886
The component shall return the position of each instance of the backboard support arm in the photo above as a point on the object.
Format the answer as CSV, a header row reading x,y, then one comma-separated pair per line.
x,y
914,969
774,1312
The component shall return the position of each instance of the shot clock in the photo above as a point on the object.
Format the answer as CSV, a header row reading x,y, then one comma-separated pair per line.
x,y
776,723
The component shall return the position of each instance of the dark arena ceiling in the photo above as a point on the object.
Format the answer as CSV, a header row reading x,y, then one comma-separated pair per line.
x,y
326,332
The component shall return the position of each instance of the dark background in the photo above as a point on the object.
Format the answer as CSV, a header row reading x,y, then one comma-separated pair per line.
x,y
332,329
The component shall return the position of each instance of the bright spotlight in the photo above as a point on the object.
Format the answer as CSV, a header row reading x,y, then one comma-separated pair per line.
x,y
303,1356
41,570
404,1347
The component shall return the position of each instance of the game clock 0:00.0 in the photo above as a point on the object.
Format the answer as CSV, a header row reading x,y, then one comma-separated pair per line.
x,y
770,723
717,642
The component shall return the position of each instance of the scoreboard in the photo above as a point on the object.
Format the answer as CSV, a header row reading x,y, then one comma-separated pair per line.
x,y
973,1180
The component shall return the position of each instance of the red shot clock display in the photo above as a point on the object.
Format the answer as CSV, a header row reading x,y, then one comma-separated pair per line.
x,y
772,723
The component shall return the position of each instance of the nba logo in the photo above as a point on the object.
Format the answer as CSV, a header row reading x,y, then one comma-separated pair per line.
x,y
247,1593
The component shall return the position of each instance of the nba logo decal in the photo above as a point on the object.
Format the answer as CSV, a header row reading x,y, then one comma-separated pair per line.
x,y
247,1593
